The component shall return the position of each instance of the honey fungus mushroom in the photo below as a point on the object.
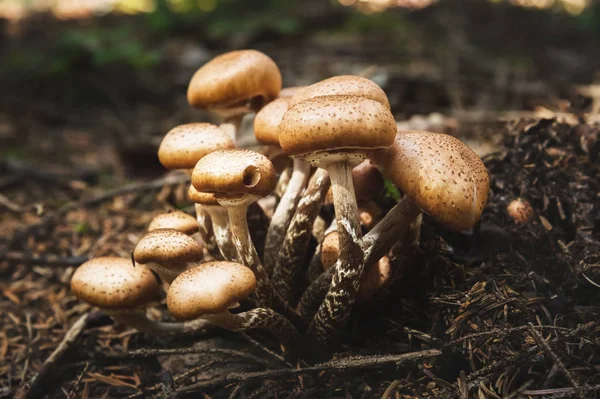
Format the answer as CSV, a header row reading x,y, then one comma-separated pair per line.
x,y
234,84
123,291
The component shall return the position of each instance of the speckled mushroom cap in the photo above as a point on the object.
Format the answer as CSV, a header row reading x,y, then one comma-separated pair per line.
x,y
333,126
205,199
443,176
234,173
233,79
342,85
267,120
184,145
210,288
330,250
368,181
114,283
176,220
373,279
167,247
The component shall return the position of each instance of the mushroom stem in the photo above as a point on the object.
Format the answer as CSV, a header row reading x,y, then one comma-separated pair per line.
x,y
222,235
377,243
288,269
136,318
284,212
267,319
166,275
231,126
333,313
206,231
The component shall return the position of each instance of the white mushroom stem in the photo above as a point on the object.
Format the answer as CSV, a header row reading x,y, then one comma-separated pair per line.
x,y
284,212
231,126
222,234
376,243
167,275
333,314
136,318
206,231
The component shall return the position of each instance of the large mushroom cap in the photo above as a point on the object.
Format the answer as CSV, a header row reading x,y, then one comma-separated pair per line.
x,y
233,79
234,173
114,283
205,199
267,120
443,176
184,145
176,220
167,247
336,124
210,288
342,85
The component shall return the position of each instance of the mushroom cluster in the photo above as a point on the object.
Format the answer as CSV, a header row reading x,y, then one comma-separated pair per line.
x,y
342,140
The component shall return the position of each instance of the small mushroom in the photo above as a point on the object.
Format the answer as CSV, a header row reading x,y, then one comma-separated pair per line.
x,y
220,222
336,133
176,220
369,214
520,210
266,130
123,291
167,252
208,291
234,84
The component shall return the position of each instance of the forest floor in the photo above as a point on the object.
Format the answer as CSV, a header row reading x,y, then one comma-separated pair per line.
x,y
506,310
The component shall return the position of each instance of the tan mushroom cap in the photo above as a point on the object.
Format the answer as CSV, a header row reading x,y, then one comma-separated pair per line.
x,y
210,288
168,248
520,210
184,145
369,214
232,79
176,220
197,197
336,124
330,250
343,85
234,173
373,279
289,92
368,181
443,176
111,282
267,120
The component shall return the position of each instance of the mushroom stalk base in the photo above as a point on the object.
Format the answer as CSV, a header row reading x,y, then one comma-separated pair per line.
x,y
137,319
206,231
284,212
334,312
222,234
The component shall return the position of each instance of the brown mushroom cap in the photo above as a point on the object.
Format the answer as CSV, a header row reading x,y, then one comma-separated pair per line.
x,y
520,210
234,173
176,220
368,181
342,85
267,120
167,247
373,279
369,214
232,79
330,250
110,282
443,176
201,198
184,145
210,288
336,124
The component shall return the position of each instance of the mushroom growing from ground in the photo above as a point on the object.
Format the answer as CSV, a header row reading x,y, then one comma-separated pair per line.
x,y
181,148
335,133
520,210
208,291
123,291
176,220
266,130
234,84
167,252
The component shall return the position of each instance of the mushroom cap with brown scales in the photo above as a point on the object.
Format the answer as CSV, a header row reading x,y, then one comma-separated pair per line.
x,y
210,288
373,279
520,210
167,247
234,173
343,85
440,174
335,128
206,199
111,282
234,79
330,250
267,120
184,145
176,220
